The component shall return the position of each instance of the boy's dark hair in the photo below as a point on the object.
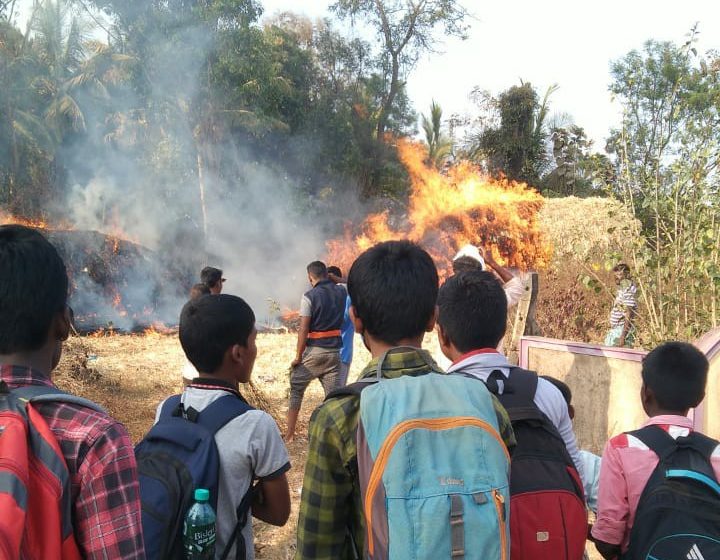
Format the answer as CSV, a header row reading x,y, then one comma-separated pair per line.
x,y
465,264
473,310
317,269
210,325
334,270
33,288
210,276
562,387
677,373
393,287
199,290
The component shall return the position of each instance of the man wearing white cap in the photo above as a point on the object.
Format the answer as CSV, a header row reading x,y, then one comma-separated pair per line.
x,y
471,257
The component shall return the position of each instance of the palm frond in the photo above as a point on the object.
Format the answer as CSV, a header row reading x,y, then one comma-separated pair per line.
x,y
34,131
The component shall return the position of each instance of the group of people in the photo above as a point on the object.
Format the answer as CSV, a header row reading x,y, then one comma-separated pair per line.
x,y
354,502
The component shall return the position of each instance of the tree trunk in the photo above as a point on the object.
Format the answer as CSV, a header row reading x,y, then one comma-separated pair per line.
x,y
389,100
201,188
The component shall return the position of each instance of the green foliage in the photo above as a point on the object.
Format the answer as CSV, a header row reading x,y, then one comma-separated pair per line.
x,y
439,146
511,138
666,157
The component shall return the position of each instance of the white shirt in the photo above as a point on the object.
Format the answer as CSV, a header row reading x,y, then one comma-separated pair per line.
x,y
249,445
548,398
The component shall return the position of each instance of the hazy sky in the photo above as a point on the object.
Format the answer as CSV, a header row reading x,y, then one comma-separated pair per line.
x,y
568,42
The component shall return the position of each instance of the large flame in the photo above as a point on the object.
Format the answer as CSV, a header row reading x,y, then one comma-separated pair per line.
x,y
447,211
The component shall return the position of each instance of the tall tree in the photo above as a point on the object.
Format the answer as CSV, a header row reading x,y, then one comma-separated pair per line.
x,y
407,29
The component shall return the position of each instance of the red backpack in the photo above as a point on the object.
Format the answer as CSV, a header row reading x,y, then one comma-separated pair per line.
x,y
35,500
548,518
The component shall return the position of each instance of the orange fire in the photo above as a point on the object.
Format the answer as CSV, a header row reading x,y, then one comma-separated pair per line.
x,y
447,211
6,219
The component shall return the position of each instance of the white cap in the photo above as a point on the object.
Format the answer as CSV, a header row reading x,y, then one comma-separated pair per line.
x,y
472,252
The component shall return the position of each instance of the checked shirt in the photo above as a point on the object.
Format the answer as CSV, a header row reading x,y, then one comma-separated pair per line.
x,y
330,507
104,483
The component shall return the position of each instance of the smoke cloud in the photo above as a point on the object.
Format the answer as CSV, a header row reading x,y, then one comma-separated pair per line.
x,y
256,229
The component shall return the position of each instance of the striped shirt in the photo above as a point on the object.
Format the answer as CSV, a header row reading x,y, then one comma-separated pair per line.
x,y
624,302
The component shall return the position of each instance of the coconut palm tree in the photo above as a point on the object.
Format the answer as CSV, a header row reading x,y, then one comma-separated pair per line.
x,y
439,146
73,64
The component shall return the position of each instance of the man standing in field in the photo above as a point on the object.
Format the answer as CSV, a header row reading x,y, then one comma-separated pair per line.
x,y
622,316
319,340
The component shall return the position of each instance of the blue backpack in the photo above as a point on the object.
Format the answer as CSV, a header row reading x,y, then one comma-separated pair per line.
x,y
433,468
177,456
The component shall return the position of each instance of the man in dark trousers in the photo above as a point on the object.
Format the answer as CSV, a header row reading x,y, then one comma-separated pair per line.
x,y
319,340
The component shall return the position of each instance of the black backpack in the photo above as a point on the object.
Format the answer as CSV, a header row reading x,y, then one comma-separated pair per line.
x,y
678,515
548,517
177,456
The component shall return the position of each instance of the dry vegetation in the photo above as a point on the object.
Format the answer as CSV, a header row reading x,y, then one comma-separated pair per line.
x,y
129,375
585,233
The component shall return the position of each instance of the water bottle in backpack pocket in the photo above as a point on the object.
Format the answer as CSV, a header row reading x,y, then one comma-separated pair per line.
x,y
433,470
678,514
199,528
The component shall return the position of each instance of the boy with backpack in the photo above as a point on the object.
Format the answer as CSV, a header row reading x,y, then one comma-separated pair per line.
x,y
548,517
69,486
214,439
407,462
659,495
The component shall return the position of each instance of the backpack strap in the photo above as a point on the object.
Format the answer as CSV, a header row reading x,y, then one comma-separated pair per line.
x,y
242,518
220,412
45,393
170,407
354,389
657,440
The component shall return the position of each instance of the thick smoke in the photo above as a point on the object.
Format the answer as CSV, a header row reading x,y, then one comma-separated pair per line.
x,y
253,228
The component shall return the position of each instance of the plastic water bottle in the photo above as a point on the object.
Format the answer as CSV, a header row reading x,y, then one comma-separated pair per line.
x,y
199,528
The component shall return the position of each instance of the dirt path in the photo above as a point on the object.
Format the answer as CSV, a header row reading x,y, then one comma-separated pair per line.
x,y
130,375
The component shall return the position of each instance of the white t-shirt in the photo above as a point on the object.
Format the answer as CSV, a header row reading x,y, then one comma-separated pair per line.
x,y
548,398
250,446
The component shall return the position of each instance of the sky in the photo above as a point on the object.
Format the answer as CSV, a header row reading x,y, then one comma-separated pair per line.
x,y
566,42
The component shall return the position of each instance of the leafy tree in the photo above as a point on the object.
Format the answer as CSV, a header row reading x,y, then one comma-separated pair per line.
x,y
439,146
26,143
667,154
578,171
406,29
511,136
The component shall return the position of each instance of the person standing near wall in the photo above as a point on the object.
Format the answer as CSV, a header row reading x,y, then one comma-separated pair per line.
x,y
622,316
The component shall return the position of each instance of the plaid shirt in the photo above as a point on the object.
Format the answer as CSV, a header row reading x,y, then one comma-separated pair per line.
x,y
330,507
104,482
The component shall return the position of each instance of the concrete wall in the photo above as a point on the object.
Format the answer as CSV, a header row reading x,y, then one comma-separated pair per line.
x,y
606,385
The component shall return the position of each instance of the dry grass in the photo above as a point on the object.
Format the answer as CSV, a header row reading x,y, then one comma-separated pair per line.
x,y
130,375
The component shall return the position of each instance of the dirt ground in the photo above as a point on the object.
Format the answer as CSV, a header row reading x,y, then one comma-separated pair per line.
x,y
130,374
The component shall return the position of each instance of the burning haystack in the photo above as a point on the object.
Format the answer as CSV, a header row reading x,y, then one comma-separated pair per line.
x,y
447,211
114,283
